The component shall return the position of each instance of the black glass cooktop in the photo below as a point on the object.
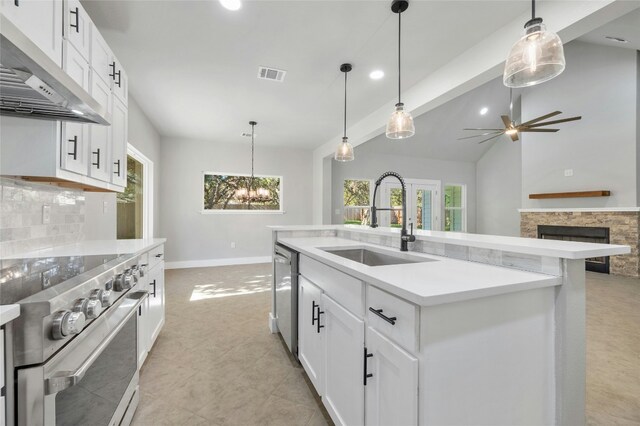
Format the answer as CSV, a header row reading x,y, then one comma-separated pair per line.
x,y
20,278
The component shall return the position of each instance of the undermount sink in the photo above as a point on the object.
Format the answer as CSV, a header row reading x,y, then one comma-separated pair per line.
x,y
376,258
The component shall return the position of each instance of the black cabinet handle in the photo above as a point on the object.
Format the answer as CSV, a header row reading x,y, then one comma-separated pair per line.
x,y
313,312
159,255
77,24
140,310
117,163
97,153
154,287
366,375
378,312
74,154
119,74
112,74
318,323
16,2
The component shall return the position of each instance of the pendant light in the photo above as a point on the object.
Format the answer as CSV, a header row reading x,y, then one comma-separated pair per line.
x,y
537,57
400,125
250,193
345,149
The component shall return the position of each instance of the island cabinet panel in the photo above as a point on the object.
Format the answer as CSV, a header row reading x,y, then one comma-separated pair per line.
x,y
344,363
391,393
489,360
310,335
349,291
393,317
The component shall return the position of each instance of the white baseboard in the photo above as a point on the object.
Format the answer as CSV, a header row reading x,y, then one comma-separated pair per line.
x,y
217,262
273,325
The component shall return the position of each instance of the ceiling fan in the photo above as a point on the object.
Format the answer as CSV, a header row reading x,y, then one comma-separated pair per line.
x,y
512,129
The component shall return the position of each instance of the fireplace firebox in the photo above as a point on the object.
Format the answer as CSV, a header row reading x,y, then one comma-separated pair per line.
x,y
583,234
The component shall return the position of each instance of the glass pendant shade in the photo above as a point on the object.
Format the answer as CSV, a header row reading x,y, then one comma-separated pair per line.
x,y
344,151
400,125
537,57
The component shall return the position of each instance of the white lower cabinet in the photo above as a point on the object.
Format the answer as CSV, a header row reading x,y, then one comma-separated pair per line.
x,y
155,313
143,338
310,335
344,362
392,390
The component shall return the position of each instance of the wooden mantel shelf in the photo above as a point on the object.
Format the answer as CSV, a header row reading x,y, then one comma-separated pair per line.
x,y
580,194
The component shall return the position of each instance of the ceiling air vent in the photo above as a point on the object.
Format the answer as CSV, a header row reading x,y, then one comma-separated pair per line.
x,y
271,74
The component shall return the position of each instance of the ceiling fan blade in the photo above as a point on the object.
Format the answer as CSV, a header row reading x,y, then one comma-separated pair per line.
x,y
492,137
542,117
506,120
546,123
482,134
478,128
538,130
514,136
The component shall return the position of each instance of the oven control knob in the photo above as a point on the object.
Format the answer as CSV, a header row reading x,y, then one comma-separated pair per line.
x,y
143,269
135,272
91,308
66,323
102,295
123,282
109,284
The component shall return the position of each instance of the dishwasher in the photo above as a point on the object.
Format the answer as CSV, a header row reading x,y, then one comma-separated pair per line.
x,y
285,265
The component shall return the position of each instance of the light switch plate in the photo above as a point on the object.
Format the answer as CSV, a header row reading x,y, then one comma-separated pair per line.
x,y
568,172
46,214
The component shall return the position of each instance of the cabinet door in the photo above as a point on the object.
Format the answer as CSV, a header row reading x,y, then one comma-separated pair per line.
x,y
40,21
120,82
77,27
156,303
74,149
101,57
100,136
119,123
310,335
143,343
392,390
76,66
344,362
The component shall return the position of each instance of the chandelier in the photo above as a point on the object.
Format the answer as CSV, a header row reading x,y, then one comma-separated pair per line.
x,y
251,194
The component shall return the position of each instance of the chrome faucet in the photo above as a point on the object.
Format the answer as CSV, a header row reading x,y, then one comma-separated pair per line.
x,y
405,237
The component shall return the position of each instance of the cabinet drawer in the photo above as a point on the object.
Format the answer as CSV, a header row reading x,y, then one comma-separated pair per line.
x,y
404,329
156,255
344,289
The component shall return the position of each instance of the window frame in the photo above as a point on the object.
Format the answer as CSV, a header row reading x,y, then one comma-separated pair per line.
x,y
344,208
222,211
462,208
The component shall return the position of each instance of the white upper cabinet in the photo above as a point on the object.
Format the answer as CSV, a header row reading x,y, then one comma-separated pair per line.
x,y
78,27
392,390
74,145
76,66
101,56
120,82
119,131
40,20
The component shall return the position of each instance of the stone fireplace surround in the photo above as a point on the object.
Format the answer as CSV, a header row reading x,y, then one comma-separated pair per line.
x,y
623,224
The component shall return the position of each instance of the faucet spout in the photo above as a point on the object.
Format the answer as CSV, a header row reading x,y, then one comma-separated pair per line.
x,y
405,237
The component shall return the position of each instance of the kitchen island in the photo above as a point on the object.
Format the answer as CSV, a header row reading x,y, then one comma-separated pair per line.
x,y
462,329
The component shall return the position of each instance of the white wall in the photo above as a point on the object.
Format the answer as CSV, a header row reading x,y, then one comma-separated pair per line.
x,y
370,164
194,236
599,83
499,188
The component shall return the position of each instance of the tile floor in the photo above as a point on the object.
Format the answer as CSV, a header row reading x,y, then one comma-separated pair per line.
x,y
215,363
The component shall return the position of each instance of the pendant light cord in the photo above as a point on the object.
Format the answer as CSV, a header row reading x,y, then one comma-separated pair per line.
x,y
399,51
345,105
533,9
252,155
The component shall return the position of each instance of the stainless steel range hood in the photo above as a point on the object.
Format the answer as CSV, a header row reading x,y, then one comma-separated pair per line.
x,y
34,86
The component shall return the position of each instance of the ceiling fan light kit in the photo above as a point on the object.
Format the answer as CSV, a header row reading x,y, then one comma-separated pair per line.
x,y
344,152
400,124
537,57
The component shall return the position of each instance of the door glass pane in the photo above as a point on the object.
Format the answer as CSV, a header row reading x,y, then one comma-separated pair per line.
x,y
453,220
130,202
424,209
395,201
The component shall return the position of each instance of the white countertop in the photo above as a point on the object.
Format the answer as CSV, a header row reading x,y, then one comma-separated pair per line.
x,y
95,247
8,313
442,281
540,247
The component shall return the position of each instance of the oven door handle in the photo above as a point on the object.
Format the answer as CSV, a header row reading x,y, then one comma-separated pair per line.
x,y
62,380
281,259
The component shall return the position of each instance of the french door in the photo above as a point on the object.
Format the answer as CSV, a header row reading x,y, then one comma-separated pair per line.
x,y
423,204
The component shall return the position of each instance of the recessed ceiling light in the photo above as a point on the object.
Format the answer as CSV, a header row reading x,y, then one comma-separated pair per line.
x,y
484,110
616,39
75,111
376,74
231,4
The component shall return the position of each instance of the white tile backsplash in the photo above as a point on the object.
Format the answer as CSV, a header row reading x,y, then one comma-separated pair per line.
x,y
21,222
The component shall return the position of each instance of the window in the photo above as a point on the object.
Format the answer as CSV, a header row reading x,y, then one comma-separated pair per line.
x,y
455,208
130,202
221,193
357,201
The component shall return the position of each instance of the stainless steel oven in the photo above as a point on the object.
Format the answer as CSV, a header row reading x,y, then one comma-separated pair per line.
x,y
93,380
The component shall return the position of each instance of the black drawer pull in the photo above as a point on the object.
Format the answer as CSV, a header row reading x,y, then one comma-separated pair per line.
x,y
378,312
97,153
154,287
74,154
159,255
313,312
113,74
119,79
117,163
77,24
365,374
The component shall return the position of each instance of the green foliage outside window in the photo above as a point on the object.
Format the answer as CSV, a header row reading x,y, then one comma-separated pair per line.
x,y
356,198
453,208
